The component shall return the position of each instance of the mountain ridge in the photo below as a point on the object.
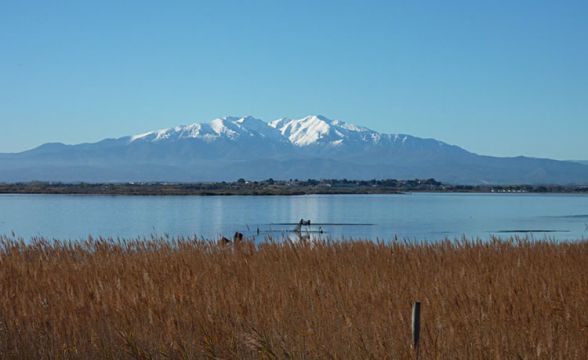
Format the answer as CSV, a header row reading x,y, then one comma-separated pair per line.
x,y
315,146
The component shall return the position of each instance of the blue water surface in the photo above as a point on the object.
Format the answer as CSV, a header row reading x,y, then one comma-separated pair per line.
x,y
416,216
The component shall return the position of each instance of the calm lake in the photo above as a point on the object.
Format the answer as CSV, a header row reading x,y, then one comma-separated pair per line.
x,y
418,216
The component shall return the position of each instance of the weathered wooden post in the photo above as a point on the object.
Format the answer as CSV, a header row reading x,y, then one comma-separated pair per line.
x,y
416,327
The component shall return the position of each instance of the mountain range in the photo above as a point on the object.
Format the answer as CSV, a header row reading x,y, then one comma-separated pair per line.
x,y
316,147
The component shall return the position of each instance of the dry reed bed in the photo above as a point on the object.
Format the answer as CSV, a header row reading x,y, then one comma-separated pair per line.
x,y
339,300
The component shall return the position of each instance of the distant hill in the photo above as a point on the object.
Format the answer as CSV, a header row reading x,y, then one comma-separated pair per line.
x,y
244,147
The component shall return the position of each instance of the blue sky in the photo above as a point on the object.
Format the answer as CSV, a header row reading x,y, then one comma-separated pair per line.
x,y
495,77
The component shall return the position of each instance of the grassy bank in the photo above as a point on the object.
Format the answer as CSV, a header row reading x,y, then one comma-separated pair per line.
x,y
188,299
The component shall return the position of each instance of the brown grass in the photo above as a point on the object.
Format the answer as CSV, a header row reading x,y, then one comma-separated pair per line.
x,y
188,299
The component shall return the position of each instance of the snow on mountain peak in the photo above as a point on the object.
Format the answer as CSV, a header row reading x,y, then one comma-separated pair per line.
x,y
314,129
307,131
230,127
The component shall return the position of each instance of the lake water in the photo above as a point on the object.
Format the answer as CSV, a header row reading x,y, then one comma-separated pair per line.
x,y
418,216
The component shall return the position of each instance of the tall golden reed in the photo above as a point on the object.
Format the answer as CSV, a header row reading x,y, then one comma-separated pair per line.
x,y
184,299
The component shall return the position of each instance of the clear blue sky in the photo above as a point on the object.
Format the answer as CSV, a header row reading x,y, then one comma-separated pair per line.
x,y
495,77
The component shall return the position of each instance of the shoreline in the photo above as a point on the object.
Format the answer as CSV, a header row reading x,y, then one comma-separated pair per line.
x,y
279,188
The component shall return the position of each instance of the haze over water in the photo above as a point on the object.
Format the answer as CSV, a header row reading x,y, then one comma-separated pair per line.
x,y
418,216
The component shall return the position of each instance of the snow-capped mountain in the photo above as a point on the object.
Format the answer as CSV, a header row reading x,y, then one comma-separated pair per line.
x,y
318,130
229,148
230,128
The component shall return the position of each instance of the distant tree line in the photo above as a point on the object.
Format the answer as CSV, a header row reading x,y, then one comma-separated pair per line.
x,y
276,187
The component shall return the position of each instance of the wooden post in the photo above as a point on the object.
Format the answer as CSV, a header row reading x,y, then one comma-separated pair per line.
x,y
416,327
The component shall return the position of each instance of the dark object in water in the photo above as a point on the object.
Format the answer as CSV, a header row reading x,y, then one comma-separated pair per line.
x,y
237,237
304,222
581,216
330,224
530,231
